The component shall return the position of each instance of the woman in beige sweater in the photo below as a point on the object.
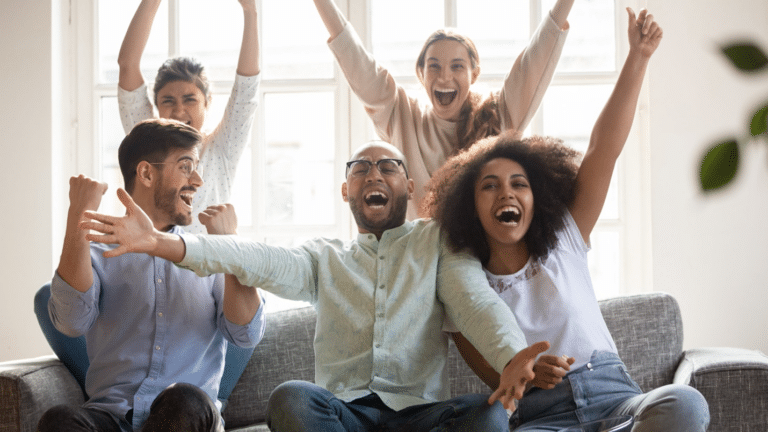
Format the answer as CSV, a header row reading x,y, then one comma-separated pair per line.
x,y
455,117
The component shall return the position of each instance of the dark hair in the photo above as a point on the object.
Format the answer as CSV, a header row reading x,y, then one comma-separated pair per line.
x,y
182,69
151,141
478,118
551,168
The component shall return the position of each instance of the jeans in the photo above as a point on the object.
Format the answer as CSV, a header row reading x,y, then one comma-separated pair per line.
x,y
302,406
602,388
180,407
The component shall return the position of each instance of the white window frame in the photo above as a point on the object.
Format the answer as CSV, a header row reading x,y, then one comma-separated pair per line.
x,y
353,127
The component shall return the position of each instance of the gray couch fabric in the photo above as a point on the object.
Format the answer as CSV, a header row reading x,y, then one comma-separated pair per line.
x,y
647,329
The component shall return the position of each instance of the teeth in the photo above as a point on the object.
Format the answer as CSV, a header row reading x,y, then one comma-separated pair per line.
x,y
445,96
376,199
508,214
187,198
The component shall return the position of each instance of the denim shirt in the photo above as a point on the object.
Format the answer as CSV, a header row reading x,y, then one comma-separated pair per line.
x,y
380,306
148,324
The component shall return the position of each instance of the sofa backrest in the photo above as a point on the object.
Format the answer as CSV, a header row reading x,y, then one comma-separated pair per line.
x,y
647,329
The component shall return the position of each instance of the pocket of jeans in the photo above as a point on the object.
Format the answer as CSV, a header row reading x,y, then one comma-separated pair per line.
x,y
628,379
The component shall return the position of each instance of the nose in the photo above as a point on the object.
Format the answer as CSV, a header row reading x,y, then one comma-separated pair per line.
x,y
374,174
195,179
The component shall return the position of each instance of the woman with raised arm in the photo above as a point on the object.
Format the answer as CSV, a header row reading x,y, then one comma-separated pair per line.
x,y
182,92
448,65
531,208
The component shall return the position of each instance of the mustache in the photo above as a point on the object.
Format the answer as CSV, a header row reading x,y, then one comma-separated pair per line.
x,y
188,188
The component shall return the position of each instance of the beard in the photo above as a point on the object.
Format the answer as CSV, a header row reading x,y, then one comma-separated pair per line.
x,y
166,200
395,218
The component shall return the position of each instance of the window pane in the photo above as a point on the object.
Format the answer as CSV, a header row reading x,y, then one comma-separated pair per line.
x,y
499,29
111,136
570,113
300,158
113,19
398,35
591,43
294,41
211,32
604,263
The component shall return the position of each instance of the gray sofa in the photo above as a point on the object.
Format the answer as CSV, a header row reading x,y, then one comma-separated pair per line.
x,y
647,329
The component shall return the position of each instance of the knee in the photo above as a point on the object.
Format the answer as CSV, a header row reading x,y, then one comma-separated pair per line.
x,y
290,394
182,406
682,405
483,416
53,419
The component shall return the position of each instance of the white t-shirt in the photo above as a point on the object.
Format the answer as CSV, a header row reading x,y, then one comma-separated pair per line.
x,y
553,299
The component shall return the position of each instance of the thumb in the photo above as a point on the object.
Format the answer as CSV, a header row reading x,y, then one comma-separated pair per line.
x,y
632,16
126,199
538,348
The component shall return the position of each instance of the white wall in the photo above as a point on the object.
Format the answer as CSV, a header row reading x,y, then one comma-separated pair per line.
x,y
710,252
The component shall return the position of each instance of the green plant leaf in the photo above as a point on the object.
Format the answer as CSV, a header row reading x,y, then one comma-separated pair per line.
x,y
719,165
759,123
746,56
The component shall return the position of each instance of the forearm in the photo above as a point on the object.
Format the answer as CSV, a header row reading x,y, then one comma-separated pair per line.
x,y
75,262
241,302
476,362
136,37
332,17
248,63
560,12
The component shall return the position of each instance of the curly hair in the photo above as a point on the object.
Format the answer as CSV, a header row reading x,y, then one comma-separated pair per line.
x,y
478,118
551,168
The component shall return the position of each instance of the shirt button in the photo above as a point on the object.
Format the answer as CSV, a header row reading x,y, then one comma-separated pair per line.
x,y
381,315
381,286
157,347
378,345
159,280
381,258
159,314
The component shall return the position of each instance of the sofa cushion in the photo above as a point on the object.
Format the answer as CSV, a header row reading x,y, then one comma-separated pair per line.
x,y
648,331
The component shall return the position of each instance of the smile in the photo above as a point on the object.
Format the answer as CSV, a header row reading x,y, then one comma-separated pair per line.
x,y
445,96
376,199
187,197
508,215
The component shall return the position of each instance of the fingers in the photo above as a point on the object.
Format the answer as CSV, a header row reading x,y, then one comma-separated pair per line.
x,y
507,399
538,348
93,216
126,199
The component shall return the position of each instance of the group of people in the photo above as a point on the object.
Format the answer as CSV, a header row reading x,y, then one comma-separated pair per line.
x,y
498,263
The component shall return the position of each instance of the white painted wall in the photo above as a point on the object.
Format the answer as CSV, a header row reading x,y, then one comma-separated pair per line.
x,y
710,252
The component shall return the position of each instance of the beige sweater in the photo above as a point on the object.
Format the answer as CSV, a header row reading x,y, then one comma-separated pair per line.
x,y
425,139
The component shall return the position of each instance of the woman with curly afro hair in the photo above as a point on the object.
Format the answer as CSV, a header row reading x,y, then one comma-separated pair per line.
x,y
526,209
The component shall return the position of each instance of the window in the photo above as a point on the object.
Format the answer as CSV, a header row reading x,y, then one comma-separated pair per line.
x,y
289,178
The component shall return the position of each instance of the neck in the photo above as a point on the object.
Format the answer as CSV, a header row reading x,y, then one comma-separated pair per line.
x,y
505,260
146,200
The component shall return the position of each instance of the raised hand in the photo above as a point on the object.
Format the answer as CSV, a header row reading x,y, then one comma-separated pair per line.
x,y
85,193
550,370
517,373
132,232
644,32
219,219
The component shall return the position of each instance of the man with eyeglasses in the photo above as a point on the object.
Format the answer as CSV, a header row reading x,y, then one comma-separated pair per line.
x,y
156,334
381,299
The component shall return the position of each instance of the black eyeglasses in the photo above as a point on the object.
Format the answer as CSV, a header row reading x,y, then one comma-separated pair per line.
x,y
387,167
186,166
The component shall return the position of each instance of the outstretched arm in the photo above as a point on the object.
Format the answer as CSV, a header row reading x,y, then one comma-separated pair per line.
x,y
134,43
516,375
75,263
332,17
133,232
560,12
614,123
241,302
248,63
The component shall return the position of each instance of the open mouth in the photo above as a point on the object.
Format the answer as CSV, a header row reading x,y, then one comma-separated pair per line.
x,y
376,199
509,215
445,97
186,197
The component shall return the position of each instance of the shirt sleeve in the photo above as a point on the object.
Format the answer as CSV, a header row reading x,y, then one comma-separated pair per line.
x,y
230,137
73,312
530,76
288,273
476,310
134,106
245,336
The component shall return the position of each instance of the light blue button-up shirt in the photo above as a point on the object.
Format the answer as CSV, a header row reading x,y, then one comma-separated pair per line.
x,y
380,306
148,324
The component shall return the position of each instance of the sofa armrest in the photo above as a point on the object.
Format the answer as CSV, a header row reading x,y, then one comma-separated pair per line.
x,y
734,382
30,387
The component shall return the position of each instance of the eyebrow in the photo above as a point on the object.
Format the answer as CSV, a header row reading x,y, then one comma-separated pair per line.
x,y
457,59
494,176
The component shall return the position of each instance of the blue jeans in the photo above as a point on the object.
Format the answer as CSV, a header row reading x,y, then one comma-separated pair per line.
x,y
302,406
602,388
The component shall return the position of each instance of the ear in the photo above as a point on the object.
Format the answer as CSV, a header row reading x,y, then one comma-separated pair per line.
x,y
145,174
344,195
475,73
411,188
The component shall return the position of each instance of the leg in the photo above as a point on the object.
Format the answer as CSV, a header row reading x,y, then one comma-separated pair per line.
x,y
76,419
71,351
183,407
673,407
464,413
296,406
236,360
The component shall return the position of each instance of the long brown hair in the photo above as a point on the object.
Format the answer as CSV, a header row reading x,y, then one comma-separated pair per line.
x,y
479,118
